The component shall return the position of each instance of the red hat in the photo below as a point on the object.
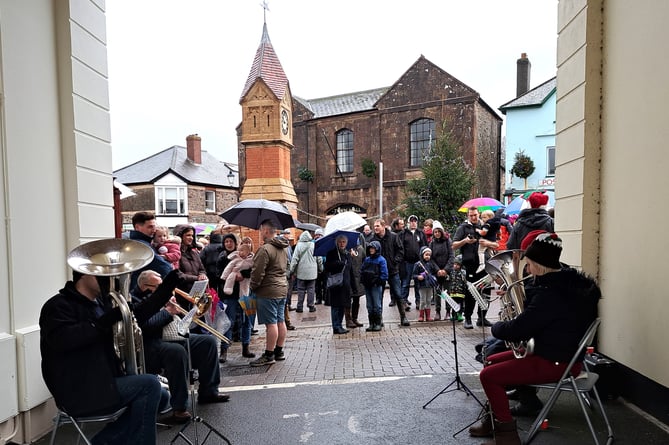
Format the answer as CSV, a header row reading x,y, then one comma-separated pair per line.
x,y
524,244
538,199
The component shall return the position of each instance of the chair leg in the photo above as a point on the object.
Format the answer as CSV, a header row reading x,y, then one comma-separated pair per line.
x,y
80,430
55,428
542,415
609,437
584,410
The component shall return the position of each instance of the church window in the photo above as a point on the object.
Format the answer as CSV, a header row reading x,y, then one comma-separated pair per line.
x,y
422,138
345,151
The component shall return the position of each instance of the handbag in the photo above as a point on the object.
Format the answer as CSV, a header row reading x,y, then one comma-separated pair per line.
x,y
335,280
171,330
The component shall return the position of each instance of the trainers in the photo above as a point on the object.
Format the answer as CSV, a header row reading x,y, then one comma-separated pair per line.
x,y
312,308
299,310
391,304
263,360
468,323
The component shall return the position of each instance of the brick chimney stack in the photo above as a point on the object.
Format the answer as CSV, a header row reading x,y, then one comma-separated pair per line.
x,y
523,67
194,148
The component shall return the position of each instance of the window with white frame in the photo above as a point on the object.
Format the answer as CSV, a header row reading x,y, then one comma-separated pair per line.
x,y
345,151
550,161
422,137
170,200
210,201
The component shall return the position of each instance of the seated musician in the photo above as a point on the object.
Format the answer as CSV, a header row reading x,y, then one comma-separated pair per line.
x,y
79,364
171,357
562,307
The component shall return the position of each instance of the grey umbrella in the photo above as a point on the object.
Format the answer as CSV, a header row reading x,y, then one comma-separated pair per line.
x,y
252,212
307,226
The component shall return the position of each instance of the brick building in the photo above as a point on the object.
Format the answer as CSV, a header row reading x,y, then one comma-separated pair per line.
x,y
334,136
180,185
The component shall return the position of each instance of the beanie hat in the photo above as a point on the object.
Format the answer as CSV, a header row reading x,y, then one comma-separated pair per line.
x,y
458,259
413,217
525,243
538,199
545,250
423,250
436,225
318,232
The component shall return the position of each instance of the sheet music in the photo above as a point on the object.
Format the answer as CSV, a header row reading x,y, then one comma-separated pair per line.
x,y
451,302
198,289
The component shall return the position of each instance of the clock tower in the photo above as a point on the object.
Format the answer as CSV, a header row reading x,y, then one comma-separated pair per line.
x,y
266,131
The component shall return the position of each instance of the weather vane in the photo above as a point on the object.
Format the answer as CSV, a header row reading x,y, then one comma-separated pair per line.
x,y
265,8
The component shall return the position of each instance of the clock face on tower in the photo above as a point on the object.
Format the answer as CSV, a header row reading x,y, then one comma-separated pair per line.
x,y
284,121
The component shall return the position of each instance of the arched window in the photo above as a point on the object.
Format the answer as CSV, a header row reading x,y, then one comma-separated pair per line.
x,y
345,151
422,138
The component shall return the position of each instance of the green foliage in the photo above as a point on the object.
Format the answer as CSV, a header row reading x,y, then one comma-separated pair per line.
x,y
305,174
523,166
446,183
368,168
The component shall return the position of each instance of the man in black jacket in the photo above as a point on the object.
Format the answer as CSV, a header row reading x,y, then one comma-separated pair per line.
x,y
144,224
393,251
79,364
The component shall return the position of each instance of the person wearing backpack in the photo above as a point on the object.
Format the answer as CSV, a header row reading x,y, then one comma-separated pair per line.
x,y
373,276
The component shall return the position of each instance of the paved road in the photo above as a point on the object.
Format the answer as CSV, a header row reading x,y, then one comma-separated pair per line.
x,y
370,388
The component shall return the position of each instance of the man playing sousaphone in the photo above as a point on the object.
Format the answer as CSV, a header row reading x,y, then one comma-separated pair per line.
x,y
79,364
561,306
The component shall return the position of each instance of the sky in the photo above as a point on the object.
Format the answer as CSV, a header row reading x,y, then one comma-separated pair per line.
x,y
178,67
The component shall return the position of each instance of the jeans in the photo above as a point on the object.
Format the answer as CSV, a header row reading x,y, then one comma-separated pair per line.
x,y
232,308
406,282
137,425
395,287
374,296
337,315
308,286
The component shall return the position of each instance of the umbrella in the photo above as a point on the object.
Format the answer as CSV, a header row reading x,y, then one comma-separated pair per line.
x,y
327,243
482,204
252,212
344,221
521,203
307,226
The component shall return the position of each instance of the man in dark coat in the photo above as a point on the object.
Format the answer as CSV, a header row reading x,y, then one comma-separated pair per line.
x,y
79,364
393,251
534,218
144,224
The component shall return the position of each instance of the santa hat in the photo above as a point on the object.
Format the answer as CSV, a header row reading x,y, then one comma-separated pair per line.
x,y
525,243
538,199
545,250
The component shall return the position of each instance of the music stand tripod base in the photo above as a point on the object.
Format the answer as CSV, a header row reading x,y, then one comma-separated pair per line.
x,y
195,419
460,385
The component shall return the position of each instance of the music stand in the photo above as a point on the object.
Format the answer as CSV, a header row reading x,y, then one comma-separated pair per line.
x,y
192,378
457,381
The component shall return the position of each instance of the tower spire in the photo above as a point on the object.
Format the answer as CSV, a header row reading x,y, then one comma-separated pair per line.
x,y
265,8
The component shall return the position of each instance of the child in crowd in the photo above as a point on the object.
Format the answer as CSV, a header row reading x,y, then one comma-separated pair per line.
x,y
457,286
166,246
425,275
488,231
240,259
373,276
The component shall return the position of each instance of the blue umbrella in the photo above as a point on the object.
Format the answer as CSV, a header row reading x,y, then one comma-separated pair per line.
x,y
328,242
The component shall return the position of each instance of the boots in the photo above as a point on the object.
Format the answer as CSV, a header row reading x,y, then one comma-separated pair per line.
x,y
224,356
437,315
355,308
427,315
349,318
378,323
371,319
403,318
245,351
482,321
506,433
483,429
421,315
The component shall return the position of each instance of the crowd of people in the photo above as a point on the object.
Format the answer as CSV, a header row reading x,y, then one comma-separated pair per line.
x,y
392,255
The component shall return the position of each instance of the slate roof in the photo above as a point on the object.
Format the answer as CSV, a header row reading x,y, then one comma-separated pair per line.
x,y
533,98
344,103
174,160
266,66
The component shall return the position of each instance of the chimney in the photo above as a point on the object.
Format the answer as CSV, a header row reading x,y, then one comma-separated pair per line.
x,y
194,148
523,66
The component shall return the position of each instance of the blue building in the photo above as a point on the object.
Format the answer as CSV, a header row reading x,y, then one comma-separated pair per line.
x,y
530,128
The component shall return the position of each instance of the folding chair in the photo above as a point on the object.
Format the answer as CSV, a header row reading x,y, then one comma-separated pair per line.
x,y
580,386
63,418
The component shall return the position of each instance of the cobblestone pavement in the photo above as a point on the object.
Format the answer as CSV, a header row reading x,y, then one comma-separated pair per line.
x,y
314,353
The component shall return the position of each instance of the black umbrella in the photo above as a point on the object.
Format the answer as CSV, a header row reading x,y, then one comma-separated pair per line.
x,y
252,212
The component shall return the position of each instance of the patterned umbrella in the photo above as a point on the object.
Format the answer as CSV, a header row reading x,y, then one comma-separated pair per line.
x,y
482,204
521,203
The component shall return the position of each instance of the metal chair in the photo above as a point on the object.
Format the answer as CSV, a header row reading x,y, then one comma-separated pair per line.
x,y
580,386
63,418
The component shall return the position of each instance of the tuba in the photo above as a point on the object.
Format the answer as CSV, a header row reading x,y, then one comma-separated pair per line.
x,y
508,266
115,259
